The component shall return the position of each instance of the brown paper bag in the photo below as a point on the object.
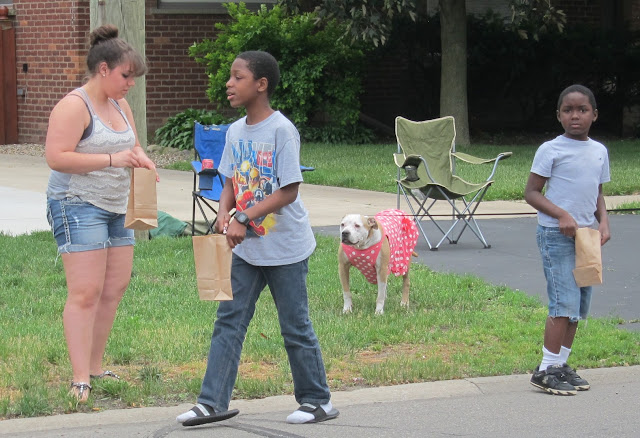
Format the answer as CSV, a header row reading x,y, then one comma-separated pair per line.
x,y
142,210
212,255
588,269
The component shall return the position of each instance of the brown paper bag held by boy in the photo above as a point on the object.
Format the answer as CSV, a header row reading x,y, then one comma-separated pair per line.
x,y
212,256
142,209
588,269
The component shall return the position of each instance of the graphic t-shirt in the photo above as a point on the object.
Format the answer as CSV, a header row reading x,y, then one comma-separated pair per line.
x,y
260,159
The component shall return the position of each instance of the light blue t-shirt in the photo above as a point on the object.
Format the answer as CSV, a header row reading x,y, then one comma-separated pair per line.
x,y
574,170
260,159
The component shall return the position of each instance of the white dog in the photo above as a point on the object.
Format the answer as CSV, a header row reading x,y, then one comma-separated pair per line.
x,y
376,246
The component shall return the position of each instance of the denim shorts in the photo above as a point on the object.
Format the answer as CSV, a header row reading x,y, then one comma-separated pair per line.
x,y
566,298
80,226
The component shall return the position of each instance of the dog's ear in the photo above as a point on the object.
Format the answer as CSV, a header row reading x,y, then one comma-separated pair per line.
x,y
372,222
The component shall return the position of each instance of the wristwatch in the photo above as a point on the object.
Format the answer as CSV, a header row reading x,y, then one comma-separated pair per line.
x,y
242,218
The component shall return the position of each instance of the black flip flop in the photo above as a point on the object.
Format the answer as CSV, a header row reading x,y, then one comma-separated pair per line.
x,y
318,413
212,418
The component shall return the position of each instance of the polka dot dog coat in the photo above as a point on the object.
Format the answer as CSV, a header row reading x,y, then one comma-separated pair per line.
x,y
402,233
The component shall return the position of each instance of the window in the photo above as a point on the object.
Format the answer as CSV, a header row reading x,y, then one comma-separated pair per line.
x,y
203,6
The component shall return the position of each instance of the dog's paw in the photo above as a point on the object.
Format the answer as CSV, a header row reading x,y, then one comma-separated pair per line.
x,y
347,309
379,310
404,304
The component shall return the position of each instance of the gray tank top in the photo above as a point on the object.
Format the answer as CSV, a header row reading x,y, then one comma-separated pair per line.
x,y
106,188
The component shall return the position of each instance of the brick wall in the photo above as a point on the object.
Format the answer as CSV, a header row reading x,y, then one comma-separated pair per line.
x,y
51,39
581,11
601,12
175,81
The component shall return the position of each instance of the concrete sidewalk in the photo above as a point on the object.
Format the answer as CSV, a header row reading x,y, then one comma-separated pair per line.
x,y
489,407
23,182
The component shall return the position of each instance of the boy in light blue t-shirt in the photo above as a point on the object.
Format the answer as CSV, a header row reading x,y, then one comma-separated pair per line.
x,y
271,239
573,168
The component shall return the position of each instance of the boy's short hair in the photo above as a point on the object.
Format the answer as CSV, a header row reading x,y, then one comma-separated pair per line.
x,y
263,65
576,88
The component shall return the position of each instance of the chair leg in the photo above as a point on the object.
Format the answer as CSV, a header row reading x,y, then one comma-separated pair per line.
x,y
210,223
193,215
467,216
471,221
416,217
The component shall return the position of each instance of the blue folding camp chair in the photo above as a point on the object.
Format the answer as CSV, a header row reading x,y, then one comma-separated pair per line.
x,y
208,142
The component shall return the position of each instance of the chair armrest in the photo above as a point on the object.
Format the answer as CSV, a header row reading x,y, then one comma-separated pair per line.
x,y
207,172
196,166
475,160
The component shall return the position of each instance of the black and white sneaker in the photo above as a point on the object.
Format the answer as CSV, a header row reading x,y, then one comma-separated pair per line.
x,y
553,380
574,379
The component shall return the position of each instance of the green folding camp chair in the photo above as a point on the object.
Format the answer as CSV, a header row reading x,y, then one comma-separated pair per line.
x,y
426,153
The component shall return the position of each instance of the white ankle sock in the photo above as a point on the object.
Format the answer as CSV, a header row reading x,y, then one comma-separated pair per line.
x,y
298,417
548,358
564,354
205,410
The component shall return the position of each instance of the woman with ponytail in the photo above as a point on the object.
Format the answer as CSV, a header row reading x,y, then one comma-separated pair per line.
x,y
91,147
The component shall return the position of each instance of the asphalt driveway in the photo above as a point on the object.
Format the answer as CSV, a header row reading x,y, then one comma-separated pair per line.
x,y
513,260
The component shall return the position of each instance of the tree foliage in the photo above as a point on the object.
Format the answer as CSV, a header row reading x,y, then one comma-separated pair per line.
x,y
320,70
369,21
535,17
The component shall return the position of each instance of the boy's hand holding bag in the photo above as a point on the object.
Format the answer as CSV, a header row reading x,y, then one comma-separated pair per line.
x,y
588,269
212,256
142,209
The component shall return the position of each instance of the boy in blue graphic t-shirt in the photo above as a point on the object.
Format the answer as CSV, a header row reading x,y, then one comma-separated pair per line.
x,y
271,239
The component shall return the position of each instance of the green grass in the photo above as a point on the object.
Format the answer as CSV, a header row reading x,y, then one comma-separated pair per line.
x,y
632,207
371,167
180,165
456,327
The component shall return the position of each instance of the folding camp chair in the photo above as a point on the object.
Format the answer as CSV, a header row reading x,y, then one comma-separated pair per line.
x,y
208,142
426,152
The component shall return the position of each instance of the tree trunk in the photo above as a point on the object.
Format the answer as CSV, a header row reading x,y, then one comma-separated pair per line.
x,y
453,76
128,16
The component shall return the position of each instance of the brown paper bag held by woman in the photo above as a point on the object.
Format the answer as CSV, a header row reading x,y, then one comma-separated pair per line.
x,y
142,207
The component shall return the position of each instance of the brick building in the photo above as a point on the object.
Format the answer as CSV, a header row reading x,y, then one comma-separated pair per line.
x,y
51,43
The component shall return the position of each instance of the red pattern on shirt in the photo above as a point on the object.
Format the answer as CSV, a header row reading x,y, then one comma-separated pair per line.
x,y
402,233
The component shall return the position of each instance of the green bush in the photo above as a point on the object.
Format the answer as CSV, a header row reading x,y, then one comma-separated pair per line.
x,y
356,134
320,70
178,131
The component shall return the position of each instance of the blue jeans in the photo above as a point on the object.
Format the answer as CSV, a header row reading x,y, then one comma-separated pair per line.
x,y
566,298
288,285
80,226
